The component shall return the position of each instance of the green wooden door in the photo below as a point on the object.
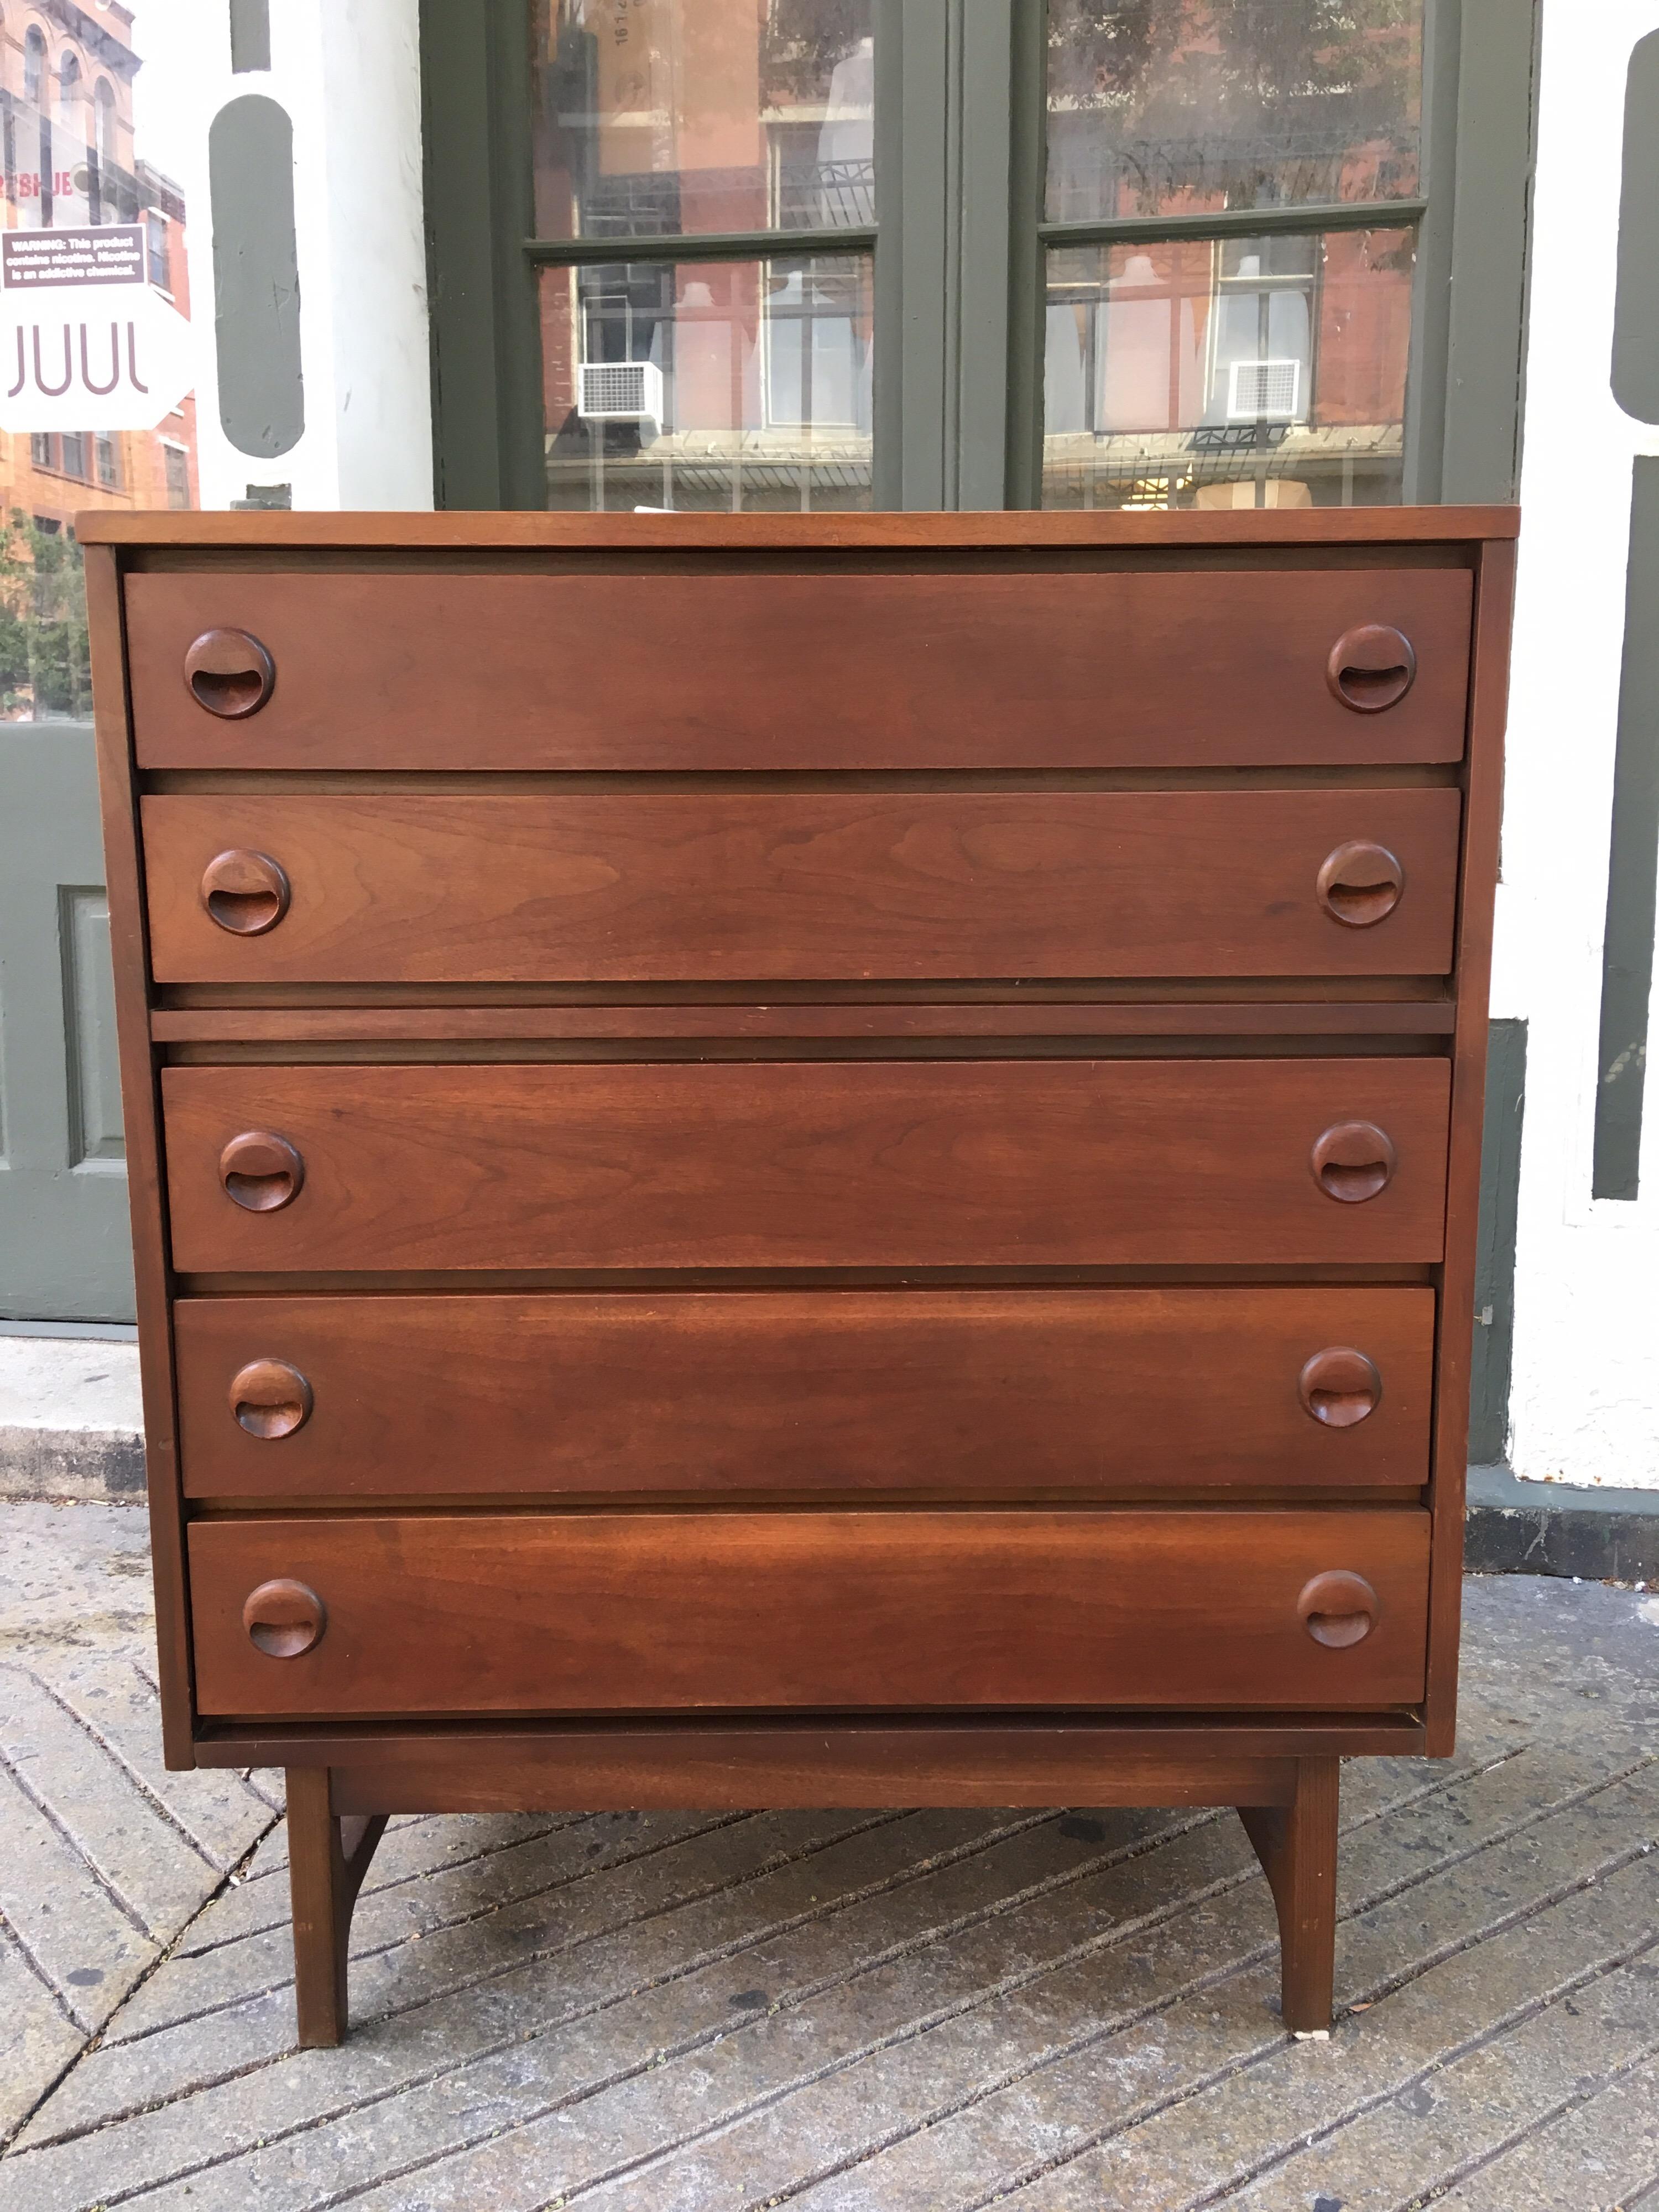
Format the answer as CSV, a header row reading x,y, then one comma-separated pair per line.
x,y
64,1242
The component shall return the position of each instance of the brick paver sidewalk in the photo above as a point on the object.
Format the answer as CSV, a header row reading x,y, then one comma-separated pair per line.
x,y
895,2012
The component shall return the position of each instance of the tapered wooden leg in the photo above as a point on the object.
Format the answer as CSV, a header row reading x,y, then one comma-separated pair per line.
x,y
327,1859
1297,1846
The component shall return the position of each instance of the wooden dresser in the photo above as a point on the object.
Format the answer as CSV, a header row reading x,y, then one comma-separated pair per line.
x,y
804,1160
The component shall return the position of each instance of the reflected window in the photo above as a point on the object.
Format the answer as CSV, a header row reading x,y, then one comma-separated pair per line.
x,y
739,380
1254,368
1162,106
34,66
1265,371
712,385
106,120
664,117
69,92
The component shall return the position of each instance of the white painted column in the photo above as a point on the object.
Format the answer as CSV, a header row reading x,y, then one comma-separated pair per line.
x,y
348,74
1585,1402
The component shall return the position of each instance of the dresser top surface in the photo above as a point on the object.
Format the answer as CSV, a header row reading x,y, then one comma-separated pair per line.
x,y
532,532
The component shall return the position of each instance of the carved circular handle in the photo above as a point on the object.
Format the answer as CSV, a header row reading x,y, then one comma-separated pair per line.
x,y
261,1171
1372,667
247,893
270,1399
284,1618
1339,1387
1361,883
1353,1161
230,673
1339,1609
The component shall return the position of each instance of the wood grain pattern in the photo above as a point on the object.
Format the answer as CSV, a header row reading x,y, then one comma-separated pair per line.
x,y
646,1612
680,1755
1046,1018
1296,1844
651,887
124,875
1000,1391
327,1859
816,533
829,669
748,1765
865,1164
1488,705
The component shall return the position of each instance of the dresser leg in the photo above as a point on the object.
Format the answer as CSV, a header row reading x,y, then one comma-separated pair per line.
x,y
1297,1846
327,1859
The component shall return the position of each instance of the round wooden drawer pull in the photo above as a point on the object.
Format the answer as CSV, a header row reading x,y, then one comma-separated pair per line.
x,y
1353,1161
261,1171
1338,1386
1361,883
230,673
270,1399
247,893
284,1620
1372,667
1339,1609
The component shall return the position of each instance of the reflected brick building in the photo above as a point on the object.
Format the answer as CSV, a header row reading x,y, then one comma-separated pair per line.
x,y
66,80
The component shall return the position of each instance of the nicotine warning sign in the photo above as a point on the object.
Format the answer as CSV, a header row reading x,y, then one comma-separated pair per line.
x,y
35,260
86,341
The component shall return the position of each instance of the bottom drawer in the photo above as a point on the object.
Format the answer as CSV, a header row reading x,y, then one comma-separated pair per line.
x,y
663,1611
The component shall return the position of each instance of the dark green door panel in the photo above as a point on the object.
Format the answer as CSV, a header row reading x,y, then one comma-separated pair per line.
x,y
65,1251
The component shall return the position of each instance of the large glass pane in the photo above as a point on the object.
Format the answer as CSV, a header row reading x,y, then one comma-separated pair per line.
x,y
702,115
708,385
1164,106
97,114
1243,372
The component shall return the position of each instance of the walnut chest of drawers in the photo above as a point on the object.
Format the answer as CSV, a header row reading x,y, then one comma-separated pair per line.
x,y
795,1161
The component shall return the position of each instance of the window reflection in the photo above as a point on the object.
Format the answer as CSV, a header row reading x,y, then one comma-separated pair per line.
x,y
1162,104
1265,371
679,116
720,385
70,161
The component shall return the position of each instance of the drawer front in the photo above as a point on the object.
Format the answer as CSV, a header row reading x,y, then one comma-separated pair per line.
x,y
657,1612
802,1391
868,1164
679,887
1045,668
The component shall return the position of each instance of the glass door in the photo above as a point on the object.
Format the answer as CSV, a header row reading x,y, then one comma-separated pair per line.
x,y
807,255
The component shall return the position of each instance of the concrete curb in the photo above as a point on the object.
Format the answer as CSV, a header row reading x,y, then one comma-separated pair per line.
x,y
1517,1527
71,1419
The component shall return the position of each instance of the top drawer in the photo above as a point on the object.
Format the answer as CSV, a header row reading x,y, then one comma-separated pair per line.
x,y
663,670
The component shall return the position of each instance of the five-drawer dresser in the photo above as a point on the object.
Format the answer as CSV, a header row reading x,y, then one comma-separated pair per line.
x,y
803,1159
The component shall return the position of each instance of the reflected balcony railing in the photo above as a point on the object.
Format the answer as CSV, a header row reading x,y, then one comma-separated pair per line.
x,y
799,196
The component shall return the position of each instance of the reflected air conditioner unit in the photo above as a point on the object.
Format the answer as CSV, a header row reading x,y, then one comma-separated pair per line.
x,y
620,391
1264,391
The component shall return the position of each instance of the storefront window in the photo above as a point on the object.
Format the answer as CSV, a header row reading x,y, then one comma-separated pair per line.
x,y
1257,367
83,156
743,379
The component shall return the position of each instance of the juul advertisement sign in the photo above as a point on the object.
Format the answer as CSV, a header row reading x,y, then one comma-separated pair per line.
x,y
86,341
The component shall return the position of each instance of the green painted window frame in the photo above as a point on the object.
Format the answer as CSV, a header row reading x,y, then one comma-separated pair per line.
x,y
959,242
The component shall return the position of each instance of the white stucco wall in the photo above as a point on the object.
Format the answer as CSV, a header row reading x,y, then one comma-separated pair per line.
x,y
1585,1403
348,73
